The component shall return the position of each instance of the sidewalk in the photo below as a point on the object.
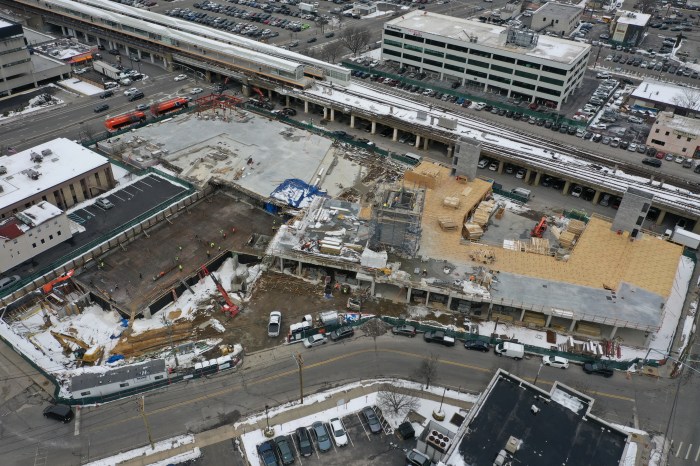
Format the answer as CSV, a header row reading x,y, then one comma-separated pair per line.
x,y
228,432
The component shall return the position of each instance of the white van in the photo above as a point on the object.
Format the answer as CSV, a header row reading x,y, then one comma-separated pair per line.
x,y
521,192
413,157
512,350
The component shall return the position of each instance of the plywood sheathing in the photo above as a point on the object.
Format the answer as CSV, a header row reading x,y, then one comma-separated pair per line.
x,y
424,175
432,236
600,256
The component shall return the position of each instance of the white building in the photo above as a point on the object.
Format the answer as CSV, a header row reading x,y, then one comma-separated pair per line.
x,y
60,171
556,17
31,232
510,62
629,27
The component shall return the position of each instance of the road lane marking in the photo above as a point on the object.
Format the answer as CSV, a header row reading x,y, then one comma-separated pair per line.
x,y
76,430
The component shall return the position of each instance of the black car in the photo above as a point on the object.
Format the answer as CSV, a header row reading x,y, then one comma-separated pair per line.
x,y
289,111
372,420
113,51
284,450
439,336
342,332
63,413
101,108
597,368
405,330
477,345
304,443
341,134
312,40
106,94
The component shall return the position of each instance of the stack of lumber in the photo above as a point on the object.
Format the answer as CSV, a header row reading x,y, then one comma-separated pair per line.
x,y
512,244
500,212
472,231
330,245
567,239
576,227
483,212
484,256
451,202
538,246
446,223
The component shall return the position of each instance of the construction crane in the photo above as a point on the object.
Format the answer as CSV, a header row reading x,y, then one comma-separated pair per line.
x,y
230,307
49,286
86,354
540,228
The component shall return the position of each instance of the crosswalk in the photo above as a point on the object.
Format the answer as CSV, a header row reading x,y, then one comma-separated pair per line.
x,y
687,452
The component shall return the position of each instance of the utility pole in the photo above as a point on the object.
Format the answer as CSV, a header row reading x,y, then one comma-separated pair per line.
x,y
300,363
142,410
170,337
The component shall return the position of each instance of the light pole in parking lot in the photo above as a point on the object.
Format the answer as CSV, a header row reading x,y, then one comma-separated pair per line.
x,y
191,70
538,374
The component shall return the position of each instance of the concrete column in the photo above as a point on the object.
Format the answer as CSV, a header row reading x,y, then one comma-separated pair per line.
x,y
427,297
325,113
408,294
269,94
596,198
417,141
528,172
522,315
371,287
549,321
352,121
613,332
500,167
288,101
306,106
299,268
661,217
426,143
450,149
573,325
538,175
332,114
374,127
449,301
281,265
395,137
567,186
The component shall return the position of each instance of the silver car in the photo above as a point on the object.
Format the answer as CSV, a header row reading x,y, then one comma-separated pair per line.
x,y
322,438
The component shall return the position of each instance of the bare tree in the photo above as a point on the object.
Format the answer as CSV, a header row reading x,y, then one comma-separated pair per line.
x,y
647,6
428,369
690,99
355,39
332,51
396,402
322,22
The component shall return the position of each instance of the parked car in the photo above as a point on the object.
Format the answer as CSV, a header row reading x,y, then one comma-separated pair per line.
x,y
576,191
416,458
267,454
338,431
106,94
372,420
322,438
598,368
477,345
284,450
438,336
483,163
274,325
8,281
304,442
104,203
315,340
555,361
180,77
405,330
342,332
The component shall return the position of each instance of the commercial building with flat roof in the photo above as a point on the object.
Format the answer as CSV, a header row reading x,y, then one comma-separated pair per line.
x,y
60,171
557,18
675,134
512,62
629,27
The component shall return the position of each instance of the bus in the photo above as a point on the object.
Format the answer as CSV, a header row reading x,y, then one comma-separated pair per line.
x,y
122,121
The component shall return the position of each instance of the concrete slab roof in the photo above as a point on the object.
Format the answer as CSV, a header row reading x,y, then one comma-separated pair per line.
x,y
560,429
632,17
678,122
489,35
559,9
66,160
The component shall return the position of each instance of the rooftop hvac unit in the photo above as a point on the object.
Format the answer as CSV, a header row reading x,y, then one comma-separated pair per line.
x,y
35,157
46,152
33,174
3,170
513,445
438,440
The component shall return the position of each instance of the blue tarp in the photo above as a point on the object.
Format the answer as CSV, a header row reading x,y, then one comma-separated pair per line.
x,y
296,193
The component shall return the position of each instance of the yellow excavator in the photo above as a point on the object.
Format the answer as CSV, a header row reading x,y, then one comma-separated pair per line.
x,y
86,353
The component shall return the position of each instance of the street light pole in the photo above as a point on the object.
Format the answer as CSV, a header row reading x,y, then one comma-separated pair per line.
x,y
300,363
538,374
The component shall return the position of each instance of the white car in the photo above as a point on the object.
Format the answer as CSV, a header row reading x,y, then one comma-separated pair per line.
x,y
315,340
555,361
494,166
520,174
197,90
273,328
483,163
130,91
680,159
339,436
180,77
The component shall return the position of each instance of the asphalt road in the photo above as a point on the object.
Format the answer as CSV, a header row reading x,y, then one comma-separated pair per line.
x,y
207,403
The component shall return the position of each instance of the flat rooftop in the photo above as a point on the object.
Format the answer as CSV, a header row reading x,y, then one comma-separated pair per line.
x,y
489,35
255,153
633,18
681,123
664,93
562,431
559,9
66,161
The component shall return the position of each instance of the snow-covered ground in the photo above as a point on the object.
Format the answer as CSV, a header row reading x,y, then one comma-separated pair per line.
x,y
80,86
163,445
35,104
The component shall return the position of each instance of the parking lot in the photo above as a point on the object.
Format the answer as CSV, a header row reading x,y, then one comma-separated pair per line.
x,y
363,447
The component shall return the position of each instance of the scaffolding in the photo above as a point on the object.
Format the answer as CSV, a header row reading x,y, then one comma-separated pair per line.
x,y
396,220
